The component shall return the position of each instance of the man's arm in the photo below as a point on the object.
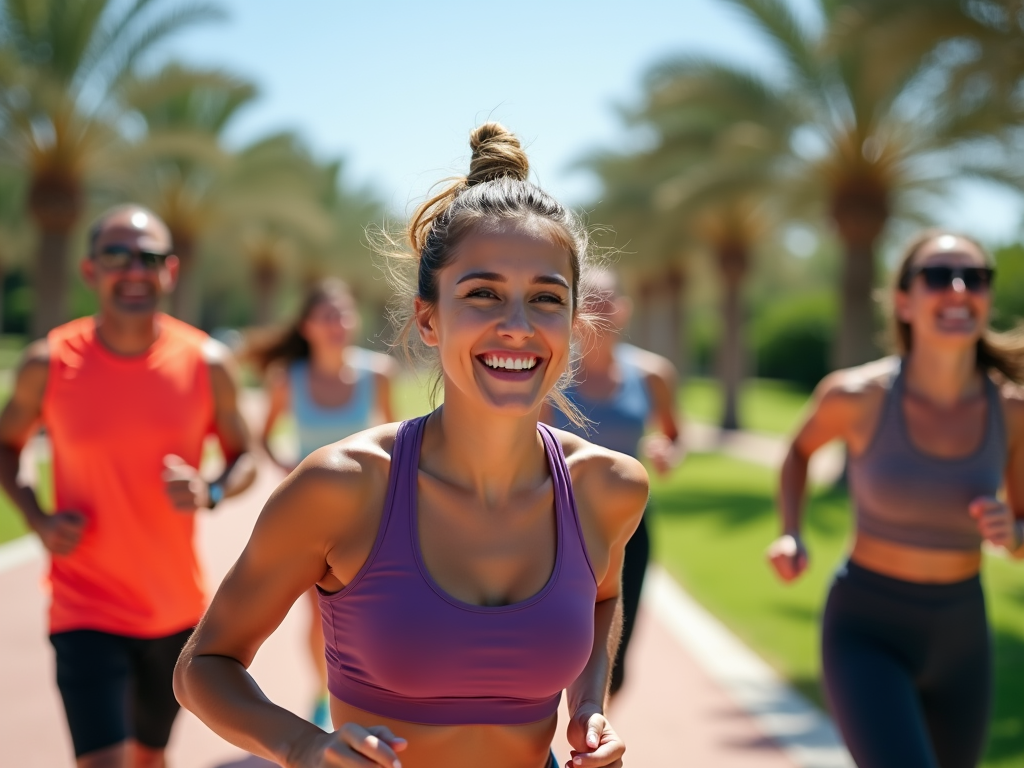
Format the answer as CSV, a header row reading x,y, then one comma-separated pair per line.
x,y
187,489
59,532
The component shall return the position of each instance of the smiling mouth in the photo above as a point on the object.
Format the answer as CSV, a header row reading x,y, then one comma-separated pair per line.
x,y
508,364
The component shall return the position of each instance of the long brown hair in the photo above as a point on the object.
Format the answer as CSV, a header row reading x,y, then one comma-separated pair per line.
x,y
495,192
289,345
1002,352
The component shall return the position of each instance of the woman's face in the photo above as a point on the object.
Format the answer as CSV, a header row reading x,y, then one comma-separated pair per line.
x,y
503,319
951,313
331,323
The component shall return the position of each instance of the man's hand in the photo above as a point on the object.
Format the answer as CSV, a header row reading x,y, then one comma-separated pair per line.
x,y
185,488
61,531
595,744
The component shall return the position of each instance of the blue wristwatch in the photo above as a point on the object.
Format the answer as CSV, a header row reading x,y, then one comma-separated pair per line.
x,y
215,492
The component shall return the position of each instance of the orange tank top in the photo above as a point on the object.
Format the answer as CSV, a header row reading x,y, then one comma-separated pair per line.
x,y
111,420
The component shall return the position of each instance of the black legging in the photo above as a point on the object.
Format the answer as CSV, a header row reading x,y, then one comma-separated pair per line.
x,y
907,669
634,566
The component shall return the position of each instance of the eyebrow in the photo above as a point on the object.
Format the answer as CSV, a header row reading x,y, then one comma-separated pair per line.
x,y
495,277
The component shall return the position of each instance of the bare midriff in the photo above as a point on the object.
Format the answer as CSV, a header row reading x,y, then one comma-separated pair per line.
x,y
461,746
917,564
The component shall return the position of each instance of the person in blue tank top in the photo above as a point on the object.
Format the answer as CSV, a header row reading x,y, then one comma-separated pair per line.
x,y
622,390
332,389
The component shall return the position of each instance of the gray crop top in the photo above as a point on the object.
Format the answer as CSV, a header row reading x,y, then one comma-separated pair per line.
x,y
905,496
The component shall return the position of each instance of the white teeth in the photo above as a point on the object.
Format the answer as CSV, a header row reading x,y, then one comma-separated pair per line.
x,y
510,364
956,313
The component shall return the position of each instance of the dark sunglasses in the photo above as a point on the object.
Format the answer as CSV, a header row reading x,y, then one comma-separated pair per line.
x,y
120,257
940,278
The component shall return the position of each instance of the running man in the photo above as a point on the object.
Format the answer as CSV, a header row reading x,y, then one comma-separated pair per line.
x,y
127,398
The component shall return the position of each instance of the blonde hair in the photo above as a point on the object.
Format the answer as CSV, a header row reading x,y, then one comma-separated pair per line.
x,y
1002,352
495,193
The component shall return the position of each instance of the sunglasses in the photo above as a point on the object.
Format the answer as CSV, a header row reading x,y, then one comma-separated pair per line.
x,y
120,257
940,278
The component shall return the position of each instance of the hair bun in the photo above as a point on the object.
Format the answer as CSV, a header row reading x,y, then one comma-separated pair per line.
x,y
497,154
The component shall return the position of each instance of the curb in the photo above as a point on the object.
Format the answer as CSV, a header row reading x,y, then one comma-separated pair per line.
x,y
805,734
18,552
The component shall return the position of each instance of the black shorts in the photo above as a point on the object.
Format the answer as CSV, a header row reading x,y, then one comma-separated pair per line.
x,y
115,687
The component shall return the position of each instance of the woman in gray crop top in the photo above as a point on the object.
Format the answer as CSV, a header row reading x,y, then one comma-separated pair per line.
x,y
935,439
333,389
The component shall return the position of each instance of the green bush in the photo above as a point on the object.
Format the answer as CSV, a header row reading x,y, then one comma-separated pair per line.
x,y
1008,298
792,339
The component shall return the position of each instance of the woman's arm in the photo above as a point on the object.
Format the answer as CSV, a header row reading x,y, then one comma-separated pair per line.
x,y
834,408
278,403
615,489
666,449
1002,524
286,554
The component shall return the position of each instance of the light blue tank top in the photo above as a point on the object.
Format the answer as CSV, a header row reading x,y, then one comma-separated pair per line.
x,y
318,426
618,422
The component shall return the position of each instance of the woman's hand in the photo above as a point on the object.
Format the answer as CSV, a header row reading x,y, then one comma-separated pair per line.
x,y
996,522
594,742
351,746
663,453
788,556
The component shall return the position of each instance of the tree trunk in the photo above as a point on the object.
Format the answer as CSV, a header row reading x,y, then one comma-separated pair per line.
x,y
266,278
860,210
663,311
54,205
185,299
733,259
856,343
675,284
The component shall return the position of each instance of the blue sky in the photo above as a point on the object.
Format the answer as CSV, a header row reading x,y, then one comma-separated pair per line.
x,y
395,87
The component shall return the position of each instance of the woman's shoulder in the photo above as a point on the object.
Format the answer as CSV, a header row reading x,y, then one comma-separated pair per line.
x,y
650,364
607,480
375,362
349,471
862,383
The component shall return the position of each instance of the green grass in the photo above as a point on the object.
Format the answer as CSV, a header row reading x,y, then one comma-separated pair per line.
x,y
765,405
768,406
712,522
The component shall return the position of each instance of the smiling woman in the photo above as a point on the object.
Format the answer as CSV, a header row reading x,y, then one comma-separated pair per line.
x,y
936,467
467,562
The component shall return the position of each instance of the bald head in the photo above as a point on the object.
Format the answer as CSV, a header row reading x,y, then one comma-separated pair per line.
x,y
134,220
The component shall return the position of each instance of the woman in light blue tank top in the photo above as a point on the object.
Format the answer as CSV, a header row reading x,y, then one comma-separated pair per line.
x,y
332,389
621,390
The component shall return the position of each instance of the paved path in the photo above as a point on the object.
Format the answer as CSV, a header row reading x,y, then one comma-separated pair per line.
x,y
675,710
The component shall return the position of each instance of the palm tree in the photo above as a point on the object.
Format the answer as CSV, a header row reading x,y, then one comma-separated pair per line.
x,y
179,167
719,152
652,252
874,135
14,235
260,204
63,61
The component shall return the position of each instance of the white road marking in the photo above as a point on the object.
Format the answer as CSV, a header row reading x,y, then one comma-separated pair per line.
x,y
803,732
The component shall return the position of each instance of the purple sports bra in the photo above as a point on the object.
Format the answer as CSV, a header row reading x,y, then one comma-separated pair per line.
x,y
400,647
